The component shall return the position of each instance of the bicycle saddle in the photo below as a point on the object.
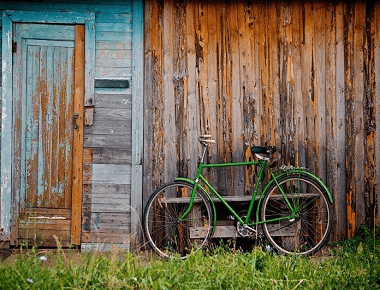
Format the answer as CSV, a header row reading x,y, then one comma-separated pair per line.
x,y
263,150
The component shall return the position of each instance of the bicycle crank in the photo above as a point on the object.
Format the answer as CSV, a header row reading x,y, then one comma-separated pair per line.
x,y
246,231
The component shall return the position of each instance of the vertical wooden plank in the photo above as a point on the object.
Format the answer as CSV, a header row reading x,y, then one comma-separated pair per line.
x,y
339,193
331,102
154,92
256,8
275,24
90,59
215,59
334,33
349,133
191,84
18,136
76,207
369,115
55,126
331,146
212,76
6,126
319,51
180,88
219,134
224,98
263,69
64,133
179,72
45,125
32,137
377,106
355,19
281,16
247,83
296,79
279,25
358,118
67,97
227,61
137,116
148,95
169,128
308,89
41,119
274,138
201,50
1,96
237,102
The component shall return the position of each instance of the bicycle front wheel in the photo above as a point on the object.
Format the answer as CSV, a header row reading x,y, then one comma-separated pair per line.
x,y
299,216
166,234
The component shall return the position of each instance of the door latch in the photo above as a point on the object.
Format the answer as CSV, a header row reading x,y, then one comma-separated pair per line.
x,y
76,117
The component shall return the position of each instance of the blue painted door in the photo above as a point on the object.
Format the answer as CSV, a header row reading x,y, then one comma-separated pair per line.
x,y
44,69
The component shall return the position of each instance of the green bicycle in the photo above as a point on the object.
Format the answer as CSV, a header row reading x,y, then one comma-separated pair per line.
x,y
294,209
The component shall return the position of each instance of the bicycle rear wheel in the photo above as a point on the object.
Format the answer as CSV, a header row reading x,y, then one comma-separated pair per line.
x,y
308,230
166,234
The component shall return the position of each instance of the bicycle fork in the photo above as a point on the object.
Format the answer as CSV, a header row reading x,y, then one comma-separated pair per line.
x,y
191,203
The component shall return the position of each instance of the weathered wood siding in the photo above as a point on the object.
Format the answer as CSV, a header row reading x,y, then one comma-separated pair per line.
x,y
1,91
298,75
106,212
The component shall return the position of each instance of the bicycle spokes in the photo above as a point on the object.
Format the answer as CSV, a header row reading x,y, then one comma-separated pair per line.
x,y
304,228
170,235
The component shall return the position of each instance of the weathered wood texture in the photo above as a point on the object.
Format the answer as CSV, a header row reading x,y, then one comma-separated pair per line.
x,y
107,170
298,75
79,88
44,226
43,71
107,155
108,146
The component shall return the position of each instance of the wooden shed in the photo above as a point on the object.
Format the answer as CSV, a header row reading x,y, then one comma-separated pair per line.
x,y
101,102
72,83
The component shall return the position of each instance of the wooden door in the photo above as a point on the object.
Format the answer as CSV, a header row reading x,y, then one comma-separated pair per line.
x,y
48,66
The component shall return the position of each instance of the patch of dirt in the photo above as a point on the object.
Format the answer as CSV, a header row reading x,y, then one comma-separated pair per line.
x,y
5,253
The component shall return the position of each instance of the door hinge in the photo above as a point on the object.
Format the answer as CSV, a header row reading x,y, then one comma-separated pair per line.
x,y
14,47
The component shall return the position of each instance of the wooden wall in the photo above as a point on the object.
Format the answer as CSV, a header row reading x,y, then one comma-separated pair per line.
x,y
108,137
298,75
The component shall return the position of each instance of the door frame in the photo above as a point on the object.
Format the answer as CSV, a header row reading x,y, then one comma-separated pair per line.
x,y
10,16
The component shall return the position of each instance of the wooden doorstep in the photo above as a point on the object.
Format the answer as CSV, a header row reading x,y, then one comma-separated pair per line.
x,y
27,213
42,226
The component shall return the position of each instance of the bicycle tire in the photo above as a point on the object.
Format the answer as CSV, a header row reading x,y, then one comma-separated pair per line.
x,y
310,228
170,237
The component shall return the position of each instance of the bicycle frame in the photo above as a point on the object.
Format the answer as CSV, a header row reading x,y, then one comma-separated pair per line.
x,y
263,165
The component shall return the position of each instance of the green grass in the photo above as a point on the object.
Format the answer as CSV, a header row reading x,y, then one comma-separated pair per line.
x,y
352,264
